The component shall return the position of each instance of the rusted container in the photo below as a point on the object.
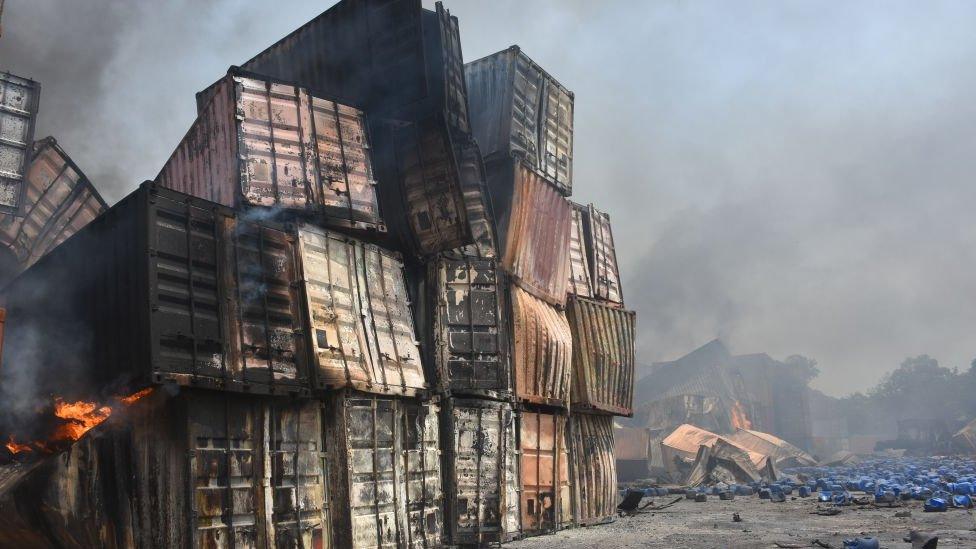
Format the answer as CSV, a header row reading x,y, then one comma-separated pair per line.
x,y
534,224
362,333
602,256
19,99
603,356
201,469
480,472
542,350
546,492
383,466
468,326
261,142
162,288
517,107
58,201
580,283
594,469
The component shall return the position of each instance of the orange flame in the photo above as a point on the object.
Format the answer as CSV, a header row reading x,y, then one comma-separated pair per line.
x,y
131,399
739,418
17,448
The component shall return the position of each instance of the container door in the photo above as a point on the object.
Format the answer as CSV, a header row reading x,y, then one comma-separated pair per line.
x,y
595,469
556,136
546,503
579,267
603,256
18,108
370,427
527,98
455,89
420,476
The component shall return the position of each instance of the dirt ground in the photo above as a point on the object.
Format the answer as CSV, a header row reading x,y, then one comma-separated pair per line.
x,y
709,525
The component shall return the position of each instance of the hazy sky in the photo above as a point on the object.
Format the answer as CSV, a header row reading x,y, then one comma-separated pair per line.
x,y
793,177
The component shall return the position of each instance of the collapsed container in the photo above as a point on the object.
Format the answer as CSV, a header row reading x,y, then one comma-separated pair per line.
x,y
580,283
534,224
602,256
594,469
544,470
19,99
604,353
201,469
383,464
263,142
480,472
58,201
542,350
517,107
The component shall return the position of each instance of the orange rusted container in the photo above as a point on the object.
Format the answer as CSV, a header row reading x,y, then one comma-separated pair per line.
x,y
594,469
546,492
541,352
603,356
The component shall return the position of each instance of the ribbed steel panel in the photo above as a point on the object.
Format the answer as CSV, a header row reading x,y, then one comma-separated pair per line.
x,y
545,480
594,469
261,142
580,282
362,331
481,472
542,350
19,100
477,205
602,257
603,356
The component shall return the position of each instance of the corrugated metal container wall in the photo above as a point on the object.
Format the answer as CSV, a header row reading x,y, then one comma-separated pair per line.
x,y
534,224
162,288
362,331
469,325
384,471
265,143
516,107
474,184
542,351
201,469
603,356
19,99
579,267
546,492
594,469
602,257
480,472
58,201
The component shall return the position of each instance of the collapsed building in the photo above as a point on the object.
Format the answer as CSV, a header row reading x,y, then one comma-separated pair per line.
x,y
355,308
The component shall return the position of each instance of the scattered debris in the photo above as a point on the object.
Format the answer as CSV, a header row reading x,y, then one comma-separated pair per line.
x,y
922,540
736,517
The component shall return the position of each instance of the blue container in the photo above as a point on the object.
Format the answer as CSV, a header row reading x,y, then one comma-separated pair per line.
x,y
825,495
841,498
862,543
964,501
803,491
935,505
963,488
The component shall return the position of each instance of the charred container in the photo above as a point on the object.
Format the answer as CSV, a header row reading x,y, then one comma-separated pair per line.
x,y
480,472
602,257
383,466
261,142
518,108
594,469
202,469
542,350
603,356
545,472
580,279
162,288
19,99
58,202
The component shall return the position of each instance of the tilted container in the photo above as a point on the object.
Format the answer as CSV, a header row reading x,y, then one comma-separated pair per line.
x,y
58,201
542,351
384,471
580,282
481,480
603,356
602,257
262,142
546,500
517,107
19,100
162,288
534,224
594,469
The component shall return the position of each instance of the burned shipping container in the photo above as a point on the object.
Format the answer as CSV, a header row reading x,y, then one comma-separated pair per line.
x,y
58,202
603,356
19,100
480,472
602,257
594,469
580,282
542,351
261,142
383,465
518,108
546,492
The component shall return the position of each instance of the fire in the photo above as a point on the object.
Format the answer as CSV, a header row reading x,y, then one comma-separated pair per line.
x,y
17,448
131,399
739,418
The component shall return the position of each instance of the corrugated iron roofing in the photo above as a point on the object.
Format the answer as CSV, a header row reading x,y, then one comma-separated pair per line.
x,y
19,100
603,356
542,350
594,469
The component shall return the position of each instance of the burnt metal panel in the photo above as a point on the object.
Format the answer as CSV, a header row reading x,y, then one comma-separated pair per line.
x,y
580,282
383,466
518,108
602,256
534,224
261,142
19,100
603,356
594,469
480,472
477,205
58,201
546,497
362,332
542,348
